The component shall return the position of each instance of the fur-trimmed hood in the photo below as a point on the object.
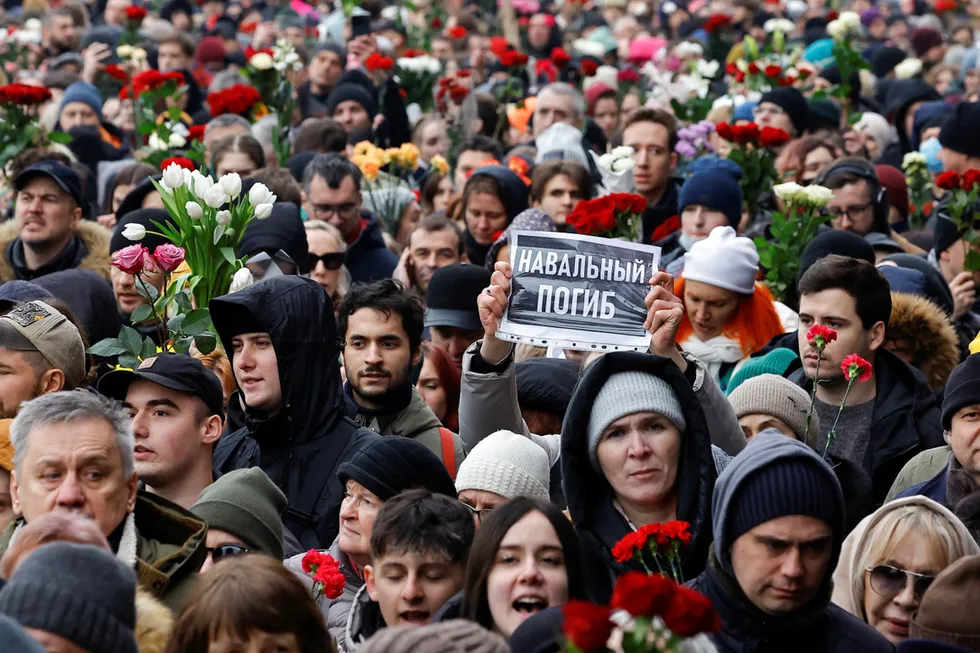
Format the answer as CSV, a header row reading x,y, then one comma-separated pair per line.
x,y
93,235
935,344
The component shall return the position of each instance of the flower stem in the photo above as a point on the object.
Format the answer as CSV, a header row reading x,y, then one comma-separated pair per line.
x,y
161,332
833,429
813,397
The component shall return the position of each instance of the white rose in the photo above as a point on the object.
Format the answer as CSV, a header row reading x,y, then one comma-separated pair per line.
x,y
124,51
242,280
851,20
134,231
263,211
913,160
139,54
176,140
779,25
223,218
173,176
788,192
836,30
261,61
817,196
606,161
194,210
622,151
688,49
202,184
622,165
281,66
260,194
157,143
215,197
231,184
291,57
908,68
706,68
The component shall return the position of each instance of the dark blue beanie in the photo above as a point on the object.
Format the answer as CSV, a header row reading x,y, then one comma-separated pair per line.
x,y
714,185
787,486
86,94
514,190
353,92
962,389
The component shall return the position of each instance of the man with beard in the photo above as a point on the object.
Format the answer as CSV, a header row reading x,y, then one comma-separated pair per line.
x,y
41,352
381,323
59,33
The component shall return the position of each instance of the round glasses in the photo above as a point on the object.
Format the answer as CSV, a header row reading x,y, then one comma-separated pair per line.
x,y
889,581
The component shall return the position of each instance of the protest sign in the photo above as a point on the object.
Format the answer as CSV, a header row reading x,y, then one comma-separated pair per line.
x,y
578,292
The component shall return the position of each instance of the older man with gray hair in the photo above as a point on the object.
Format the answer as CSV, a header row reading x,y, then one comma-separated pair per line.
x,y
73,451
558,102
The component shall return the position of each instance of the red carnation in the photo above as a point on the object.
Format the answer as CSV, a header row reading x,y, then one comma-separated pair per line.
x,y
642,595
513,58
971,178
628,75
436,23
24,94
754,68
586,624
499,45
182,161
715,22
376,61
855,367
196,132
773,137
458,93
787,81
588,67
690,613
724,130
560,57
773,70
833,14
948,180
116,72
623,549
457,32
135,14
667,227
820,336
731,68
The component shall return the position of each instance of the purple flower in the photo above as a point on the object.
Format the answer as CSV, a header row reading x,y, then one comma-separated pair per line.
x,y
685,149
686,134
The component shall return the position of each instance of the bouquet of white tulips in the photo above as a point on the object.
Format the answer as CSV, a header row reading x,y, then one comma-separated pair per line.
x,y
209,218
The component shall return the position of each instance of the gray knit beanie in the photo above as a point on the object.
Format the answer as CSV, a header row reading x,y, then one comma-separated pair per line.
x,y
247,504
507,464
454,636
631,392
769,394
76,591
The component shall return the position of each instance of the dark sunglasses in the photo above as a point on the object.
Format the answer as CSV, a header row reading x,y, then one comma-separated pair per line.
x,y
226,551
331,261
889,581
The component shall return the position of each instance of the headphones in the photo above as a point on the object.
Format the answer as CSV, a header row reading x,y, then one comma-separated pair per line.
x,y
866,171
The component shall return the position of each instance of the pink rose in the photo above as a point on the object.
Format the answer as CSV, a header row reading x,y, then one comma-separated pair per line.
x,y
168,257
129,259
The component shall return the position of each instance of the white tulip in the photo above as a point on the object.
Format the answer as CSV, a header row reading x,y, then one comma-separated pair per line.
x,y
836,30
194,210
223,218
623,151
908,68
622,165
263,211
173,176
817,196
231,184
188,178
242,280
788,192
778,25
260,194
261,61
215,197
202,184
157,143
606,161
176,140
134,231
124,51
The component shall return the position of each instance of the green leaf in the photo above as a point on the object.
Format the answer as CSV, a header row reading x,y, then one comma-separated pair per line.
x,y
176,322
148,291
183,345
197,322
107,348
174,113
128,360
206,342
60,137
229,254
184,302
141,314
972,261
149,349
147,128
131,340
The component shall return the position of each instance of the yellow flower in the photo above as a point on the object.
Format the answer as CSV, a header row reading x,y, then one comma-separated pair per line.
x,y
409,155
364,148
370,170
394,154
440,164
975,345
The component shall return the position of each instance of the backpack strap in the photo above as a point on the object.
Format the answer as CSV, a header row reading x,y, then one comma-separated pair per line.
x,y
448,450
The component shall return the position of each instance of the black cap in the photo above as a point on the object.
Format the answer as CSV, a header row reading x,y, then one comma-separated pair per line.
x,y
962,389
66,178
390,465
180,372
451,296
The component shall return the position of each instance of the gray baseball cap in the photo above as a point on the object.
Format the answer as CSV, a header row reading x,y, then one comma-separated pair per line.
x,y
37,326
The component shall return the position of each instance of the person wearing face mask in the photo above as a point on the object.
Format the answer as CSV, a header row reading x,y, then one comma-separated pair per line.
x,y
711,197
891,558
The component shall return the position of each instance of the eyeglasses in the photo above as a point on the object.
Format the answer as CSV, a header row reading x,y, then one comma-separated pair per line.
x,y
342,210
479,512
331,261
888,581
226,551
849,211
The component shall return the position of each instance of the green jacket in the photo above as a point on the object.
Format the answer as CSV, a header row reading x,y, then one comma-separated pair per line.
x,y
170,548
922,467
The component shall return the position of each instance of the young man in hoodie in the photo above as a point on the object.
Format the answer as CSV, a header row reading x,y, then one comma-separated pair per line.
x,y
381,324
289,416
778,520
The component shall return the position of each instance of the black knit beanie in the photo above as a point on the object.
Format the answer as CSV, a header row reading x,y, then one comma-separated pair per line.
x,y
836,241
282,230
793,103
788,486
885,60
961,131
962,388
145,217
76,591
355,93
392,464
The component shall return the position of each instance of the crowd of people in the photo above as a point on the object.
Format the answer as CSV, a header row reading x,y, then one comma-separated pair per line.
x,y
366,461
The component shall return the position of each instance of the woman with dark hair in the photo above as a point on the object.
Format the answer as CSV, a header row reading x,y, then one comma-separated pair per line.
x,y
439,384
493,196
436,193
250,603
526,558
805,159
237,153
125,180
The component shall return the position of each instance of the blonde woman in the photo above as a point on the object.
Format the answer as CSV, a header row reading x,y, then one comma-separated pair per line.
x,y
889,560
327,255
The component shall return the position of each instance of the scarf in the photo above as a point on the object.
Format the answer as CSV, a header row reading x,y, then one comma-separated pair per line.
x,y
714,353
125,549
963,497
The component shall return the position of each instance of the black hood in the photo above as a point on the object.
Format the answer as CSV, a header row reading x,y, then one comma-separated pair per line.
x,y
589,495
901,95
89,297
298,316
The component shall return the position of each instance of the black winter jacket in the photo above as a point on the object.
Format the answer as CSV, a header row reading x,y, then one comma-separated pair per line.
x,y
302,445
590,497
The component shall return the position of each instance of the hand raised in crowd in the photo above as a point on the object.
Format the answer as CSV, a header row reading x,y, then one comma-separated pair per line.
x,y
964,290
265,35
665,311
94,58
108,220
492,303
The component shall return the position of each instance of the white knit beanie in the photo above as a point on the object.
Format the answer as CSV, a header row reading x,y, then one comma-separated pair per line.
x,y
507,464
724,260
